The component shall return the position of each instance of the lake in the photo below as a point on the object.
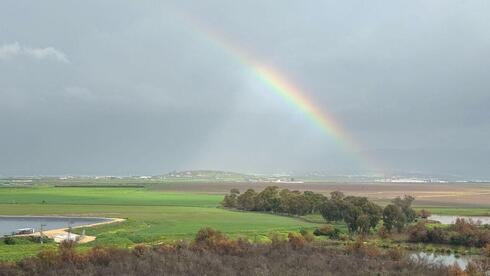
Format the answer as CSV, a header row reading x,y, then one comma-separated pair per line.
x,y
452,219
9,224
445,260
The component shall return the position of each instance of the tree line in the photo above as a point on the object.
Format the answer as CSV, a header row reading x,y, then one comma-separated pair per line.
x,y
359,213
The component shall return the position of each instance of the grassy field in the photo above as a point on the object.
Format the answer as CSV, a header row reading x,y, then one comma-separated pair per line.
x,y
163,213
152,217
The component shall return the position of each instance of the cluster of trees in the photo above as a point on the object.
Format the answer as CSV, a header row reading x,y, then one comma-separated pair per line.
x,y
360,214
399,213
273,199
463,233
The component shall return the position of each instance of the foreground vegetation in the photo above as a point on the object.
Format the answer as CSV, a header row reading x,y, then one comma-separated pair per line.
x,y
213,253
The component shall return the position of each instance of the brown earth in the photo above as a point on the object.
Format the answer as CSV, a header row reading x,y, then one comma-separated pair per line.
x,y
426,194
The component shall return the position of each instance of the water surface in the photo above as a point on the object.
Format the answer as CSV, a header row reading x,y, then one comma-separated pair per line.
x,y
446,260
9,224
452,219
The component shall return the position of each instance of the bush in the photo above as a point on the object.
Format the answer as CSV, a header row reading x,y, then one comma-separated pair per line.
x,y
296,240
307,235
382,232
486,250
9,240
361,248
418,233
396,253
327,230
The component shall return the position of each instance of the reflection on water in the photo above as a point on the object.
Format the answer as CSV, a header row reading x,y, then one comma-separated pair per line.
x,y
446,260
9,224
452,219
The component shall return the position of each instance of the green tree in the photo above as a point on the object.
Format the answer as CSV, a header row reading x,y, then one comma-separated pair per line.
x,y
363,224
393,217
331,210
351,214
315,200
405,204
337,195
268,199
230,201
246,201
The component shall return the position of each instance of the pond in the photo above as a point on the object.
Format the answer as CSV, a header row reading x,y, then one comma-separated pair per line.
x,y
9,224
446,260
452,219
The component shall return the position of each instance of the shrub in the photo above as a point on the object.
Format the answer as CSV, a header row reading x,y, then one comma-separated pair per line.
x,y
309,237
140,249
438,235
296,240
327,230
9,240
361,248
418,233
396,253
424,214
486,250
382,232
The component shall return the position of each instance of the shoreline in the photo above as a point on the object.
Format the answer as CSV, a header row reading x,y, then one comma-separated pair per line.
x,y
64,231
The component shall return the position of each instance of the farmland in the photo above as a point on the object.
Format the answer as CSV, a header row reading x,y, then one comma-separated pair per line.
x,y
158,212
152,217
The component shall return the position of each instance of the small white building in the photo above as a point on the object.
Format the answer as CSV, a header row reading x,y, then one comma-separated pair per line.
x,y
66,237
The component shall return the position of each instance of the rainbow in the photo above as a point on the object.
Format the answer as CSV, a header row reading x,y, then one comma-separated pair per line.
x,y
279,84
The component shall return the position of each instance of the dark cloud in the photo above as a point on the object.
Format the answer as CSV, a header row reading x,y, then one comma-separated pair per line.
x,y
142,90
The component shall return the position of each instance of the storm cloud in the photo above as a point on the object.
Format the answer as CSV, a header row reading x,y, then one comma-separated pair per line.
x,y
124,87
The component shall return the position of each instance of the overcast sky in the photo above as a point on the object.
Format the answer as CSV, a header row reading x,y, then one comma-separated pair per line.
x,y
136,87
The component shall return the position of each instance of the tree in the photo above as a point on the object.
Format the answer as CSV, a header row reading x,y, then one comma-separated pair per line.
x,y
294,203
393,217
268,199
331,210
351,214
405,204
337,195
230,201
363,224
246,201
424,214
372,211
315,200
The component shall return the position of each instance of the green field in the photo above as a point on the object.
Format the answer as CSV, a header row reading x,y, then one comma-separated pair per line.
x,y
152,217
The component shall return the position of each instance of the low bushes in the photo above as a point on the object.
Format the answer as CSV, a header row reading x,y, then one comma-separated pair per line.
x,y
327,230
213,253
462,233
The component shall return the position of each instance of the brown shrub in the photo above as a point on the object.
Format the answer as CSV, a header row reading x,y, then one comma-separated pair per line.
x,y
140,249
309,237
396,253
296,240
361,248
99,255
454,270
383,233
486,250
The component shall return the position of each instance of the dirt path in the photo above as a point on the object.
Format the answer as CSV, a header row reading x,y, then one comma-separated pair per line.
x,y
64,231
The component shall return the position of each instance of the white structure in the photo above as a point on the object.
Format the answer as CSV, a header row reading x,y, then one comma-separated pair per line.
x,y
66,237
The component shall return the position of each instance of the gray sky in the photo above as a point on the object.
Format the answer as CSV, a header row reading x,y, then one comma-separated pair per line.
x,y
126,87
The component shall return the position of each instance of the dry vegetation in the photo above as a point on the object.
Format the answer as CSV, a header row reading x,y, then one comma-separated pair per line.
x,y
427,194
212,253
